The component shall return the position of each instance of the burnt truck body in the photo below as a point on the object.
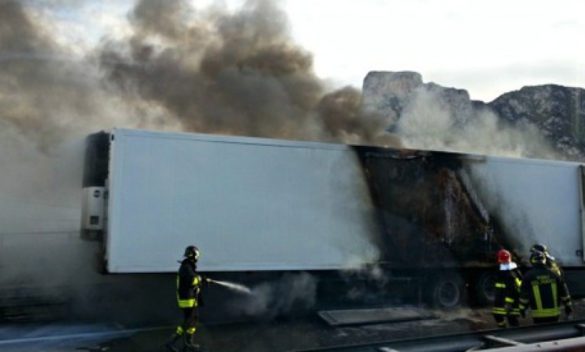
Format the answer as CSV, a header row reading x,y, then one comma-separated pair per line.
x,y
263,205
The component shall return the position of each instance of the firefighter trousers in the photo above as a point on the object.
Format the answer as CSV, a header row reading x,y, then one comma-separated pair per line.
x,y
190,320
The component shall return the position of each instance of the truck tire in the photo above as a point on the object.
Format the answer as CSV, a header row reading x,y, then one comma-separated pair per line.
x,y
447,291
484,288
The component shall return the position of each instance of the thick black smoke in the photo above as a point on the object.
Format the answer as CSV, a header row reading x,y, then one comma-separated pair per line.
x,y
214,71
232,73
44,95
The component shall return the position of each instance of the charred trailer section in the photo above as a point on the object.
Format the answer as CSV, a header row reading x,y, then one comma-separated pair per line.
x,y
434,227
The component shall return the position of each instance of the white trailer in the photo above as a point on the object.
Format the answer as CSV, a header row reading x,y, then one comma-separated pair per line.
x,y
266,205
537,201
249,204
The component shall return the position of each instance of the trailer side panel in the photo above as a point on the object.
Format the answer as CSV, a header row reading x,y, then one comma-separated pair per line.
x,y
249,204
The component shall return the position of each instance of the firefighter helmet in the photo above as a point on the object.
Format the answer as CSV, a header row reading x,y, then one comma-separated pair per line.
x,y
504,256
191,252
537,258
539,247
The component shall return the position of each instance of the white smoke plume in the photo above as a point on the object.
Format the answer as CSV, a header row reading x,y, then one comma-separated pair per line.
x,y
291,293
428,122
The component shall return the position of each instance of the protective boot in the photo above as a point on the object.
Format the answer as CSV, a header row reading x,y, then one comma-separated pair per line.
x,y
190,345
171,344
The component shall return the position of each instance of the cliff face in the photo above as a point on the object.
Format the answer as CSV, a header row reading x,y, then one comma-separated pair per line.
x,y
558,111
540,121
388,93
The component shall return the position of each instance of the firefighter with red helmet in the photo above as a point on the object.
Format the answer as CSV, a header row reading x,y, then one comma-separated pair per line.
x,y
507,291
189,284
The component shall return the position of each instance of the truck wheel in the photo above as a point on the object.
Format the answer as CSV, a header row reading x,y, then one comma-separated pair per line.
x,y
484,288
447,291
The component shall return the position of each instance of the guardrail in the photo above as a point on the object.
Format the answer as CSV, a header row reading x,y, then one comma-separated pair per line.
x,y
564,336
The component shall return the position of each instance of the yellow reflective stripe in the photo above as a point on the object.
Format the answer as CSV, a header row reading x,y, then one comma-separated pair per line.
x,y
554,292
518,283
545,313
537,298
499,311
187,303
179,330
509,300
500,285
191,330
515,311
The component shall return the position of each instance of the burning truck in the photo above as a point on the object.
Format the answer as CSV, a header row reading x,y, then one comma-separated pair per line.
x,y
272,206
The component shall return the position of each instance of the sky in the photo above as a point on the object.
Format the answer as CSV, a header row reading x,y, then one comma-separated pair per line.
x,y
487,47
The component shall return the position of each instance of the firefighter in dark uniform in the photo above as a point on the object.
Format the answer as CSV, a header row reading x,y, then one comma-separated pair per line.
x,y
507,291
551,262
189,284
543,291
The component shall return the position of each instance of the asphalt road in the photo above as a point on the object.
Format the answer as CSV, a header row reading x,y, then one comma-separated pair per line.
x,y
268,336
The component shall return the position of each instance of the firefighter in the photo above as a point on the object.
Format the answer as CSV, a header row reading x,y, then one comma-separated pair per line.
x,y
551,262
507,291
543,291
189,284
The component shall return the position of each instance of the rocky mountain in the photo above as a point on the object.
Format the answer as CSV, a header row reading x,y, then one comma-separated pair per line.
x,y
558,111
390,93
545,121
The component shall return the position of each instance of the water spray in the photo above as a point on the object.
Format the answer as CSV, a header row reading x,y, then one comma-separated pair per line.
x,y
231,286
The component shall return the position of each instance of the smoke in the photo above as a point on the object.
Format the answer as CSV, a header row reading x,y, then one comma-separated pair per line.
x,y
372,285
232,73
43,96
430,122
212,71
512,217
292,293
46,102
